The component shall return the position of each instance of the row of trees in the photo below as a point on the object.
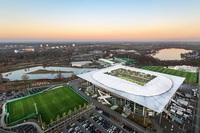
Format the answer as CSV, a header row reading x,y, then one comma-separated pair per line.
x,y
59,76
64,115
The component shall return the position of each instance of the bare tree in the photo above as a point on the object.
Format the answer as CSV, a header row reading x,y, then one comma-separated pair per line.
x,y
58,118
1,78
79,107
59,76
73,76
25,77
69,113
44,125
64,115
51,121
75,109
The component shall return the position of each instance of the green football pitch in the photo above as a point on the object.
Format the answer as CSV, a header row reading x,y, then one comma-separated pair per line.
x,y
48,105
190,77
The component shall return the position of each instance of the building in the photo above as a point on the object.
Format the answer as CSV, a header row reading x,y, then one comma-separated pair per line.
x,y
80,63
124,61
106,62
81,57
96,52
24,50
143,92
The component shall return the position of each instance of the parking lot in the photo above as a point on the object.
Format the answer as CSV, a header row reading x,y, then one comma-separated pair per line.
x,y
96,122
182,109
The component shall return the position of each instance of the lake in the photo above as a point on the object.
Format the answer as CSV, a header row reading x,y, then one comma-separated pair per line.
x,y
16,75
170,54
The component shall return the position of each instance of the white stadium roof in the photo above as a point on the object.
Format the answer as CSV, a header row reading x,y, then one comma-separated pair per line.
x,y
154,95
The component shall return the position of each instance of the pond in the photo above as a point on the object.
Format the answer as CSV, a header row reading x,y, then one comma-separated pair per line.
x,y
16,75
170,54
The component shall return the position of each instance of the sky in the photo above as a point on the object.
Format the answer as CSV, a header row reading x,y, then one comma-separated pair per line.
x,y
100,20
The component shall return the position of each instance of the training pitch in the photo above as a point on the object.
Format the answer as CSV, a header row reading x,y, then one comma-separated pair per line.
x,y
45,105
190,77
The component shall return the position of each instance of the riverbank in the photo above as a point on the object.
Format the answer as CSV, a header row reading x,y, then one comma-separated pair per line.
x,y
44,71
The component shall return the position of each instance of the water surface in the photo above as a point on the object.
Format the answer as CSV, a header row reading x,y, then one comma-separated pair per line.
x,y
16,75
170,54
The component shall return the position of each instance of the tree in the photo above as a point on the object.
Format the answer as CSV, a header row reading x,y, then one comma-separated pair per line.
x,y
59,76
73,76
51,121
69,113
58,118
75,109
84,105
44,125
25,77
1,78
64,115
79,107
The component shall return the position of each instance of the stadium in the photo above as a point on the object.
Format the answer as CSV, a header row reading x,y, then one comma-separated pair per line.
x,y
138,91
48,107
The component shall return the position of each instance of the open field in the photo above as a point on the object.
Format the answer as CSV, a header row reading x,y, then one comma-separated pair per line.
x,y
46,105
190,77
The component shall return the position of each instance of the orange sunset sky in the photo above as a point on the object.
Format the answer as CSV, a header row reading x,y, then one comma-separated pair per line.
x,y
99,20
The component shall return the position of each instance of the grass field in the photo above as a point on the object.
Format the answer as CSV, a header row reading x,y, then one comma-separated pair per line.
x,y
190,77
49,105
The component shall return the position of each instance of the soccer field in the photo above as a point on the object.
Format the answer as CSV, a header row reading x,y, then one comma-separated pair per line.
x,y
47,104
190,77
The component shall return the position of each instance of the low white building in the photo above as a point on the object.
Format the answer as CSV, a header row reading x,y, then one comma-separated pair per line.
x,y
106,62
80,63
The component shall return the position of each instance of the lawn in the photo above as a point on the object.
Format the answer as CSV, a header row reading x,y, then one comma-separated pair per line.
x,y
190,77
47,105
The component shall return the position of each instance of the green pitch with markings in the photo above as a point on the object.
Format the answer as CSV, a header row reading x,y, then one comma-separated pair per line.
x,y
48,105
